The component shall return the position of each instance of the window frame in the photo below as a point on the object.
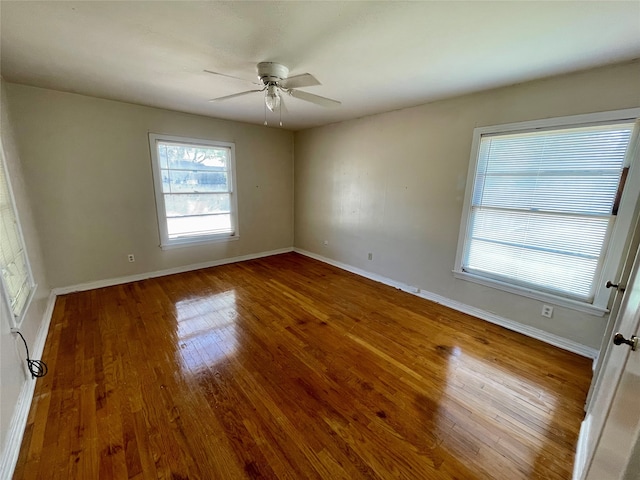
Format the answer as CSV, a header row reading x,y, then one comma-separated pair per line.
x,y
166,242
614,246
15,320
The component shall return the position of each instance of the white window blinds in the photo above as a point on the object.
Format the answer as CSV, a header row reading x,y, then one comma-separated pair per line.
x,y
16,278
543,206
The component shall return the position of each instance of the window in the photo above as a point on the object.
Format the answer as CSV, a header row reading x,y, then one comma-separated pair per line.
x,y
195,190
16,278
542,204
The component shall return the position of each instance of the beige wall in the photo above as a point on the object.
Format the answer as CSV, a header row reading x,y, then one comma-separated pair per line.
x,y
88,172
393,184
12,355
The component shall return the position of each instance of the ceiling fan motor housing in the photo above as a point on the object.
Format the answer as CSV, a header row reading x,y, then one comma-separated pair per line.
x,y
270,72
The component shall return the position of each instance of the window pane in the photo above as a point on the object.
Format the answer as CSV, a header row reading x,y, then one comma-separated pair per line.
x,y
554,252
20,300
203,225
190,181
13,259
568,170
548,270
197,204
194,183
163,155
565,193
10,242
17,282
559,150
580,236
542,206
191,157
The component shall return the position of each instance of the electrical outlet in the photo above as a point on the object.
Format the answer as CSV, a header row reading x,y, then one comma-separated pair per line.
x,y
326,242
370,256
547,311
131,258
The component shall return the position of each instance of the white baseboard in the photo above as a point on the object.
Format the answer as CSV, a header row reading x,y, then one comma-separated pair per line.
x,y
21,410
580,462
550,338
161,273
16,430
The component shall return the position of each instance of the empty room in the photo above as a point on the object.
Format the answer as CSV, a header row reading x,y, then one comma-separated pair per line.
x,y
320,240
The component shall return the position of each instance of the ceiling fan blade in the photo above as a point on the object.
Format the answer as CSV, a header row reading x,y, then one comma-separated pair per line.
x,y
230,76
298,81
317,99
235,95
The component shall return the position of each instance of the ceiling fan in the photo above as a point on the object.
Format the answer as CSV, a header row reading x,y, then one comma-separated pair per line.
x,y
274,81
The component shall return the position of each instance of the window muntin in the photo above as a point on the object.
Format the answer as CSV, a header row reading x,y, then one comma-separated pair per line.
x,y
543,205
194,181
16,278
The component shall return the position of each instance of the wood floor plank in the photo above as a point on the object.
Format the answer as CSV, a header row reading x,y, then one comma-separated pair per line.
x,y
288,368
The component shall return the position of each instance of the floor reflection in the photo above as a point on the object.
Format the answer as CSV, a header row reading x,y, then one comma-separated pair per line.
x,y
512,413
206,331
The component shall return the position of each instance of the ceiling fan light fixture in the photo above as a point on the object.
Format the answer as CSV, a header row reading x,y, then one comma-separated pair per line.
x,y
272,98
274,82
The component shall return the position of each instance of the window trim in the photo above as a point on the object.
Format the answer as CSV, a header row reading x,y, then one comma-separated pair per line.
x,y
165,242
15,321
614,246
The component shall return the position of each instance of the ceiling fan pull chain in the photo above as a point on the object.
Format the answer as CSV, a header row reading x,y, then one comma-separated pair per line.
x,y
265,113
280,112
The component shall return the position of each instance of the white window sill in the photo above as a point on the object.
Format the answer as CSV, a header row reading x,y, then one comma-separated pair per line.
x,y
526,292
192,242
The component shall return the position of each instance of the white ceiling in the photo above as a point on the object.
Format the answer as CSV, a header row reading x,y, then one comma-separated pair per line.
x,y
373,56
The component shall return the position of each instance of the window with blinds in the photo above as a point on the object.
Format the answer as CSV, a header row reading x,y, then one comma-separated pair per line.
x,y
17,281
543,207
195,195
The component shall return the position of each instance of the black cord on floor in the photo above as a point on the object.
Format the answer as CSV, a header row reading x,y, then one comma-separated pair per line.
x,y
37,367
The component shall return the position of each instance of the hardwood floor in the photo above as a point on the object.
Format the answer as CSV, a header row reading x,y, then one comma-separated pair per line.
x,y
285,367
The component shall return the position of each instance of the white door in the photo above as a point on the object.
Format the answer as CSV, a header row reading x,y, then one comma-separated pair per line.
x,y
606,346
611,428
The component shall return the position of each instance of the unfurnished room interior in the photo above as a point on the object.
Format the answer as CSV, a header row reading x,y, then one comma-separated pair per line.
x,y
320,240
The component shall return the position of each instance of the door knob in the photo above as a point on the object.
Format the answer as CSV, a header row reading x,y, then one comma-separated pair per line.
x,y
619,339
